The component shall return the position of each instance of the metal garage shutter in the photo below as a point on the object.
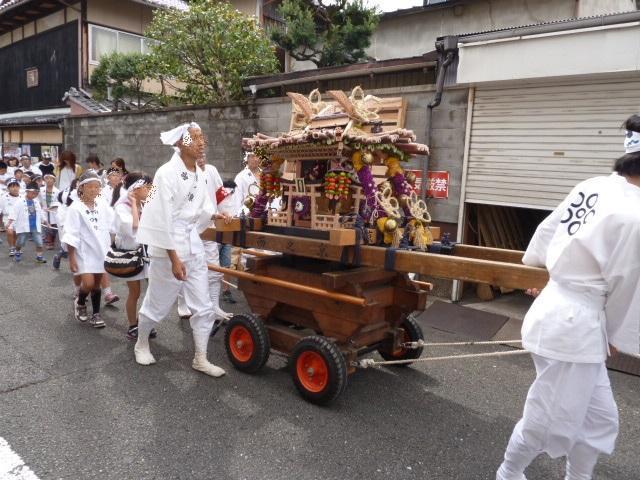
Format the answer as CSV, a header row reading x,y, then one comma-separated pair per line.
x,y
530,145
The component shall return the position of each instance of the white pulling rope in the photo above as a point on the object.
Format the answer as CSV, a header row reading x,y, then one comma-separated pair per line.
x,y
370,362
230,284
422,343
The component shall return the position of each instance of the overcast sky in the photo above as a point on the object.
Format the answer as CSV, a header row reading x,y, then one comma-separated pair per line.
x,y
392,5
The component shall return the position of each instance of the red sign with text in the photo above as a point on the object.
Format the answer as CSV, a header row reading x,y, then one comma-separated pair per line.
x,y
438,186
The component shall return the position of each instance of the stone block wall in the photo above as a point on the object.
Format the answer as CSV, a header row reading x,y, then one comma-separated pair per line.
x,y
135,136
447,142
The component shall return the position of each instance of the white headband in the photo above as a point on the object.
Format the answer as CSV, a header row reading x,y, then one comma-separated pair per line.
x,y
173,136
136,185
632,142
87,180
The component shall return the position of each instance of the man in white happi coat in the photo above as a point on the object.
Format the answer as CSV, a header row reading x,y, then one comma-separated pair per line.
x,y
248,176
177,211
591,306
214,182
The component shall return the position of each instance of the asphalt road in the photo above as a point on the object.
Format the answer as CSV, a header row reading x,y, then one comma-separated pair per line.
x,y
74,405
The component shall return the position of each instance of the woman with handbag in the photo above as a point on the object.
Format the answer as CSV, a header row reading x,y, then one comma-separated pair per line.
x,y
127,202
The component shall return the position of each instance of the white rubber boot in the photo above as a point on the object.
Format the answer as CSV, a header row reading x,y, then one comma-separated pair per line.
x,y
581,462
142,351
502,474
203,365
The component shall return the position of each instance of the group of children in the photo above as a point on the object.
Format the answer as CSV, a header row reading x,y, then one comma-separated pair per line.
x,y
34,206
98,208
28,204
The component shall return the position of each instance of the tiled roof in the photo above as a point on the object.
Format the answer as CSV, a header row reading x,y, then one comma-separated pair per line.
x,y
84,99
179,4
568,22
10,3
37,118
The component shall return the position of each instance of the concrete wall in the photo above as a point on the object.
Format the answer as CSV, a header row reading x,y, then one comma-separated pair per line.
x,y
588,8
120,14
390,39
135,136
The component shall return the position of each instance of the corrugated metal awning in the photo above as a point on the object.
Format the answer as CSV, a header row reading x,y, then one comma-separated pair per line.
x,y
530,145
33,117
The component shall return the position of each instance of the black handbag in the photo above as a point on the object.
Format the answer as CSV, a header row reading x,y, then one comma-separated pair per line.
x,y
125,263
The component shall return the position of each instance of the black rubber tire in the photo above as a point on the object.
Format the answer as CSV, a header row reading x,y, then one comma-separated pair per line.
x,y
413,333
259,335
336,366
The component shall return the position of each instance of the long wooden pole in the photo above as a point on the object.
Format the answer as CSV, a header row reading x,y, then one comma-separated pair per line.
x,y
480,270
338,297
257,253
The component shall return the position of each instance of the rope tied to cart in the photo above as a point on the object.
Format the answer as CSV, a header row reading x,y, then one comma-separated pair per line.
x,y
370,362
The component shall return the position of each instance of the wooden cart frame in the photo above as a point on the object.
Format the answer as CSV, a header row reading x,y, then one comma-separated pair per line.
x,y
323,314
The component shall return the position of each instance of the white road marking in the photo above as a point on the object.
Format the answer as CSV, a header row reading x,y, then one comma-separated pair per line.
x,y
12,467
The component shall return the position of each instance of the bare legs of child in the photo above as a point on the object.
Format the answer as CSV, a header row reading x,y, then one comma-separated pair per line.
x,y
135,287
109,297
89,286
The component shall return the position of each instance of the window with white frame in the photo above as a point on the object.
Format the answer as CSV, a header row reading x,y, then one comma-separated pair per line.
x,y
103,41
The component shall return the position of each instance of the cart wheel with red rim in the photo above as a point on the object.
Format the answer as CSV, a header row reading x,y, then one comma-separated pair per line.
x,y
319,369
247,343
412,333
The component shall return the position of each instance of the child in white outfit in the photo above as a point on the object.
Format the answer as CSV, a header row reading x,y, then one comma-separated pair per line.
x,y
87,235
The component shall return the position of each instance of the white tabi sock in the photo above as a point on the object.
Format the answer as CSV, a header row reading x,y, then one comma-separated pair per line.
x,y
142,351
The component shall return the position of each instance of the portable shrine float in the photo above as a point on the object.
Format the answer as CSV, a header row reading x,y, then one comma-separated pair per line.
x,y
348,230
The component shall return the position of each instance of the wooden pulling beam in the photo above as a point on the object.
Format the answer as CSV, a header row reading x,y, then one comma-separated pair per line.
x,y
252,277
257,253
475,264
425,285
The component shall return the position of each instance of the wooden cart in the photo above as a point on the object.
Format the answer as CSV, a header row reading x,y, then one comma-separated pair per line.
x,y
308,304
323,316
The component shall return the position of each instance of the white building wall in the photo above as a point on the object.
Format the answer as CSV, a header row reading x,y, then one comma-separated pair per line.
x,y
558,54
414,34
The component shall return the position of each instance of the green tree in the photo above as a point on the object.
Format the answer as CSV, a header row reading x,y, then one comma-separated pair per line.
x,y
210,50
126,75
326,34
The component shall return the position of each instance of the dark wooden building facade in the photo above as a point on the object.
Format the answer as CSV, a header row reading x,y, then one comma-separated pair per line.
x,y
38,70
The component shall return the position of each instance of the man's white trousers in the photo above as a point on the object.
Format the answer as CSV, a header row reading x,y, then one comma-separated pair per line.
x,y
214,279
163,291
569,411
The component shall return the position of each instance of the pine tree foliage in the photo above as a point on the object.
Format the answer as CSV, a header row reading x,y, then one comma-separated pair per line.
x,y
326,33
